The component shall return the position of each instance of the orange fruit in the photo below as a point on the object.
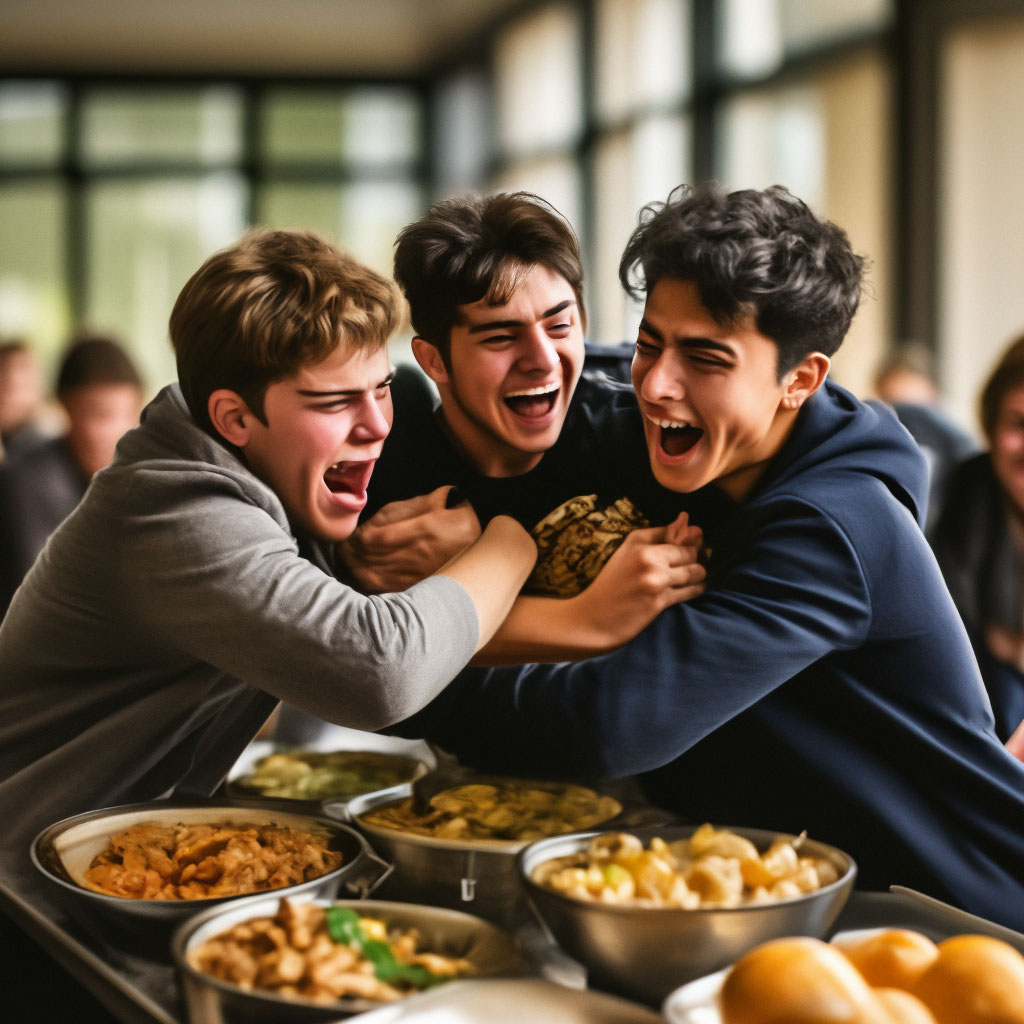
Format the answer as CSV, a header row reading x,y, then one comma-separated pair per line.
x,y
903,1008
975,980
798,981
895,958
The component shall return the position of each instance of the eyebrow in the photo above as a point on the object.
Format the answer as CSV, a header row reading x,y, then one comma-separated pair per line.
x,y
497,325
344,392
688,342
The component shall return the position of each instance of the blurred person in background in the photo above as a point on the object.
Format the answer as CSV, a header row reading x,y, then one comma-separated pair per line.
x,y
979,540
101,393
906,381
21,394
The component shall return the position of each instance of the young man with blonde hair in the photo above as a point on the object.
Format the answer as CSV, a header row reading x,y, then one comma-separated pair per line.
x,y
194,586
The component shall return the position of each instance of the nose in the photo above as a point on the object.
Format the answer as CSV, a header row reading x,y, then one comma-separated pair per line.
x,y
373,421
539,352
660,381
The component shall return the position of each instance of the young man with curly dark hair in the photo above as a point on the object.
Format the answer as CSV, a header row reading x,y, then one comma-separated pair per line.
x,y
824,680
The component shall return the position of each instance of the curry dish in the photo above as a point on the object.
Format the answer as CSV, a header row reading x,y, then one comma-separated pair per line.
x,y
150,861
711,868
310,952
503,810
319,775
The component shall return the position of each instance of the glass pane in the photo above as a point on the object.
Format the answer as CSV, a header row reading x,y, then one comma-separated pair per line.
x,y
32,123
538,82
462,136
363,219
173,125
757,35
353,126
144,240
643,55
632,168
557,180
774,137
33,296
828,140
981,152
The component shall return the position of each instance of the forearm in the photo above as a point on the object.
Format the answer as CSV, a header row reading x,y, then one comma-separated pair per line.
x,y
492,570
545,629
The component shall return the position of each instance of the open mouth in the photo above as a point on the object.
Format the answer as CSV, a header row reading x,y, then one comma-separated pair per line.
x,y
677,438
532,403
349,477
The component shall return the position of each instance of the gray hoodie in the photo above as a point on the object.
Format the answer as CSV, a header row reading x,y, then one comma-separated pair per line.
x,y
166,617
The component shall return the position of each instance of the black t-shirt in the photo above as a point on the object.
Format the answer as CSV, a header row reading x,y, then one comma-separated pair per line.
x,y
590,489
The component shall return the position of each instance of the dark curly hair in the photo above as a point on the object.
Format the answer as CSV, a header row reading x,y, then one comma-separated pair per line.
x,y
468,247
760,254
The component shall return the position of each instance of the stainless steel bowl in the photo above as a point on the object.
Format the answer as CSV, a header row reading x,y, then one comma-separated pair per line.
x,y
210,1000
646,952
63,852
476,876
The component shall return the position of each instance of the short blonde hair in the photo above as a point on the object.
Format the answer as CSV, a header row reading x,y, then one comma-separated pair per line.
x,y
260,310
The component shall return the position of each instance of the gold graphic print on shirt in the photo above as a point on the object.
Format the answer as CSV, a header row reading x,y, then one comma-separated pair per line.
x,y
575,540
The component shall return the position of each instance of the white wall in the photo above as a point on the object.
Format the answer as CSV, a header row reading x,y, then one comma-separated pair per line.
x,y
981,300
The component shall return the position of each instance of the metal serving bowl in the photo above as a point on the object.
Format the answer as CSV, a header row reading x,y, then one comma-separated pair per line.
x,y
64,851
210,1000
346,782
477,876
646,952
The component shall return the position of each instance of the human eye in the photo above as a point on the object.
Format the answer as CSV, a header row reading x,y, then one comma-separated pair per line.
x,y
703,359
334,405
646,348
495,340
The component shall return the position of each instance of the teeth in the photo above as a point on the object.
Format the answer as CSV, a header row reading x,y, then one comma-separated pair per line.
x,y
542,389
668,424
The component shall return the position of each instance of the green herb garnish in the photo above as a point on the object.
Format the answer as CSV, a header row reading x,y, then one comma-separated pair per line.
x,y
344,927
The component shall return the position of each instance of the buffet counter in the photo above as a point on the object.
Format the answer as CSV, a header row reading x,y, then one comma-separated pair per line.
x,y
137,990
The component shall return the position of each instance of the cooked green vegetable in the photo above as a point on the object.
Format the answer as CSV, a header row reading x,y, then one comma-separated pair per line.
x,y
344,927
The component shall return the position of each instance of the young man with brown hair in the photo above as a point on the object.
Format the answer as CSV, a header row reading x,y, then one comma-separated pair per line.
x,y
495,290
194,586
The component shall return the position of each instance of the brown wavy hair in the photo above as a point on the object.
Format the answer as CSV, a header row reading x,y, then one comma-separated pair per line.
x,y
263,308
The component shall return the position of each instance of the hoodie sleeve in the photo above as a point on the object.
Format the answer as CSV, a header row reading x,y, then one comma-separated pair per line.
x,y
224,584
794,594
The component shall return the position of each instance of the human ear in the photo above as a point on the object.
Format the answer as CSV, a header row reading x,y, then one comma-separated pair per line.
x,y
230,416
429,358
804,379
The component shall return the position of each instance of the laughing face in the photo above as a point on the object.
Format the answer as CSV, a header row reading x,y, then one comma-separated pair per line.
x,y
1008,446
325,430
513,369
713,408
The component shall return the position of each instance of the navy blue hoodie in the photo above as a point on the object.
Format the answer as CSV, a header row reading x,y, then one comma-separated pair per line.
x,y
823,682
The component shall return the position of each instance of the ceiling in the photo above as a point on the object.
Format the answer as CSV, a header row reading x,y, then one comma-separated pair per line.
x,y
250,37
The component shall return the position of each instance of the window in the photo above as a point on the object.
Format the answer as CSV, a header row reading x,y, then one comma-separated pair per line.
x,y
114,194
